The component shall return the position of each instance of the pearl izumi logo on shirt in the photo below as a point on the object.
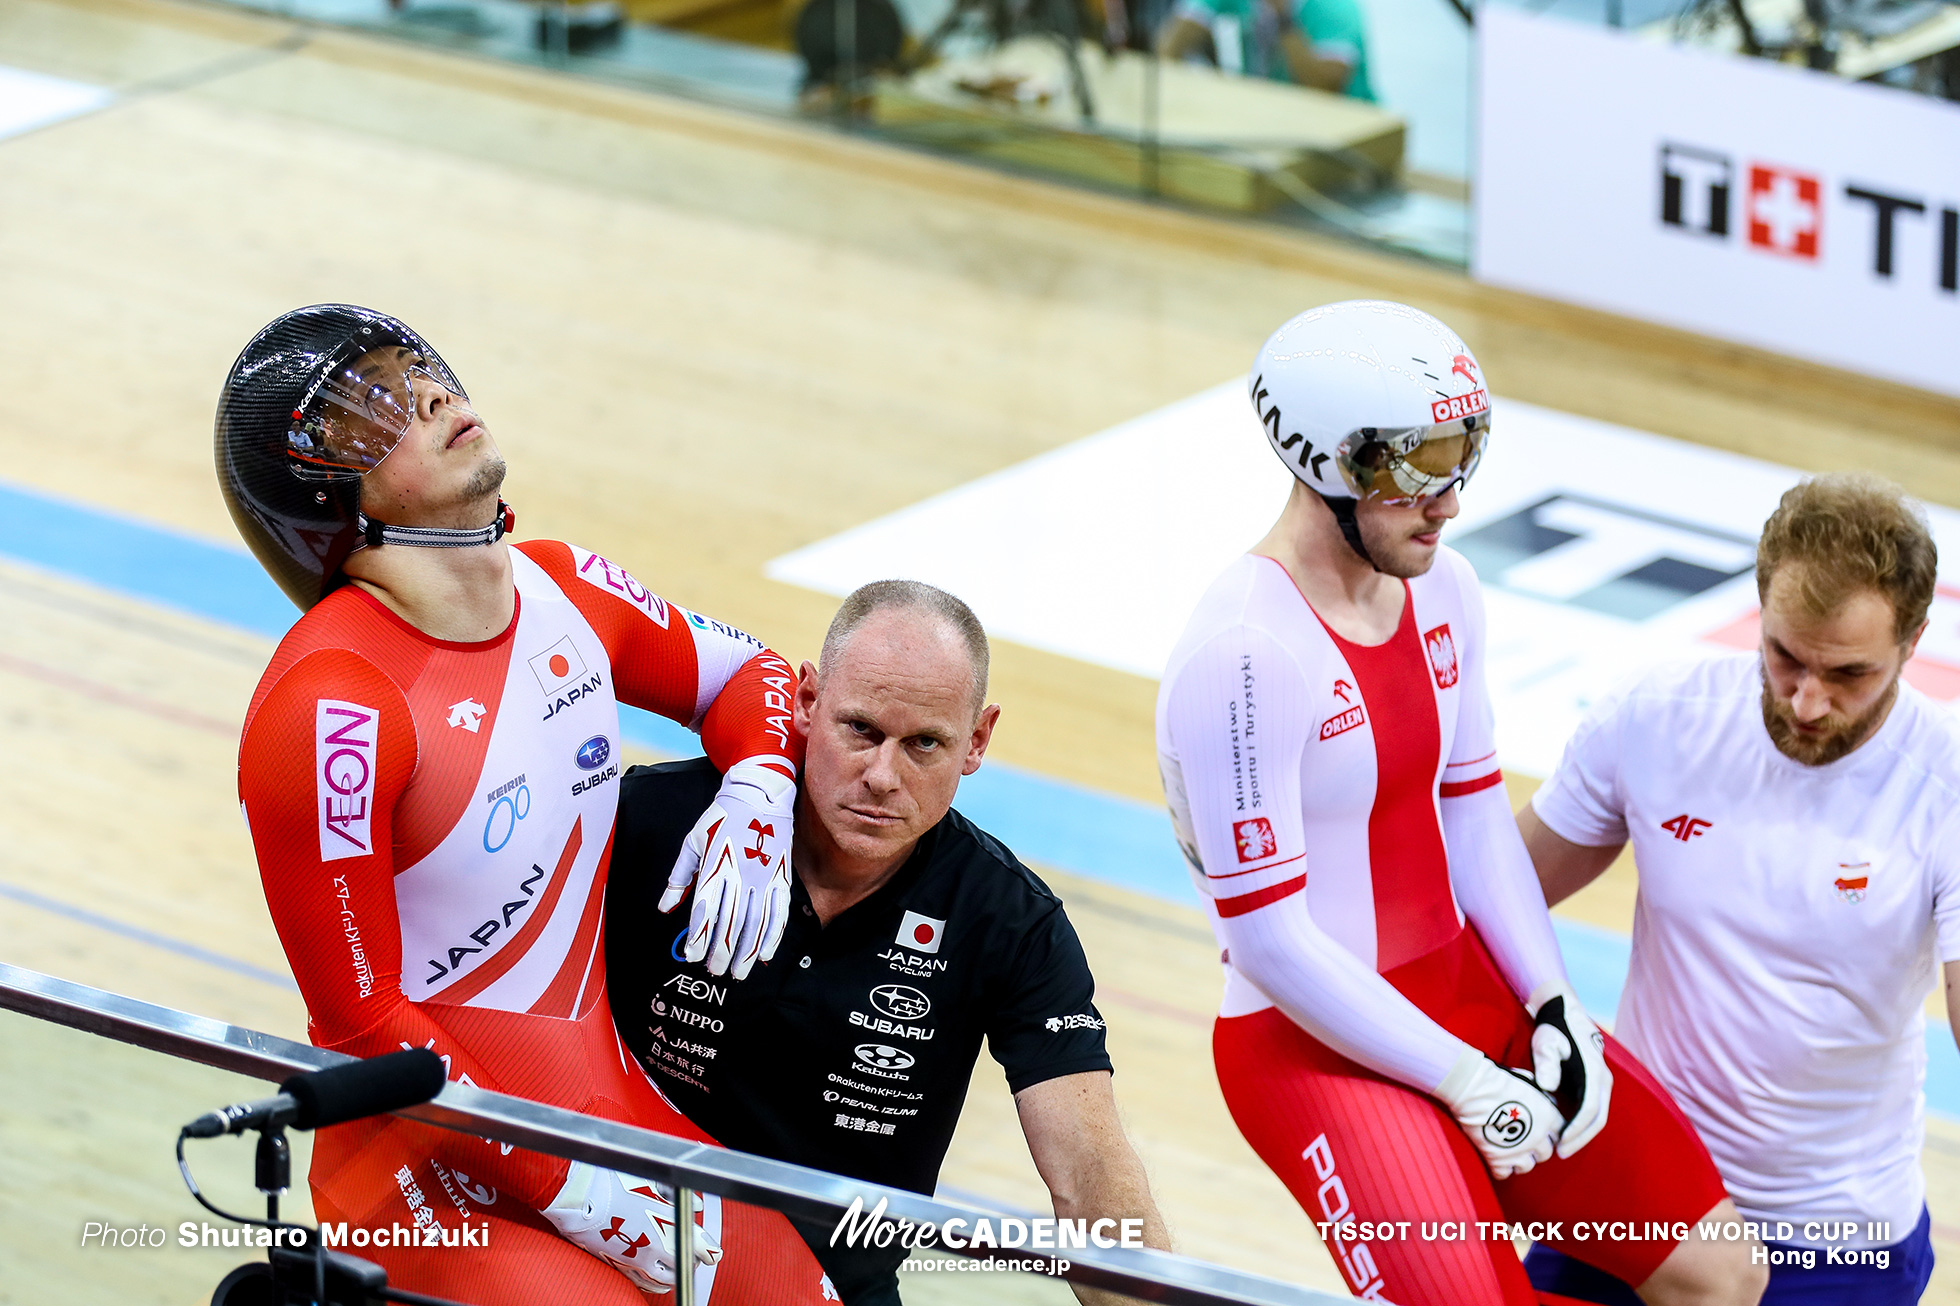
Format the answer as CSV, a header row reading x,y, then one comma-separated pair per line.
x,y
1255,838
920,933
344,736
1442,655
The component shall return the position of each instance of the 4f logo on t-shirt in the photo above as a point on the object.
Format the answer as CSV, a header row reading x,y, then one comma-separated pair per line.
x,y
1254,838
344,737
1685,827
1442,655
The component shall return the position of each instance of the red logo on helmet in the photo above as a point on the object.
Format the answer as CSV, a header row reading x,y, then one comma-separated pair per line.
x,y
1444,410
1464,366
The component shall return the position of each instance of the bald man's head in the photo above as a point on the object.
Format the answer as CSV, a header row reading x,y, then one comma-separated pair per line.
x,y
916,612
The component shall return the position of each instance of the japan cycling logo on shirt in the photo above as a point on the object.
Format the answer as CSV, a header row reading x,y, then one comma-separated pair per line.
x,y
558,666
1442,655
344,739
1255,839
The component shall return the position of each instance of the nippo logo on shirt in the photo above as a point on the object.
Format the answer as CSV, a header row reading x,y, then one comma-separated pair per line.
x,y
344,738
1254,839
920,933
558,666
1445,410
1442,654
616,580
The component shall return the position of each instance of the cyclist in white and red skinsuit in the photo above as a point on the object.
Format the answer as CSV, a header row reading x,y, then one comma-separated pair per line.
x,y
1396,1014
433,818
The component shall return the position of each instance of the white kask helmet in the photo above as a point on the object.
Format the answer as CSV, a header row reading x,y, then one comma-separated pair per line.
x,y
1371,399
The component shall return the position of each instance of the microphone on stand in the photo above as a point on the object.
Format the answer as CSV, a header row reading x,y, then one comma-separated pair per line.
x,y
333,1096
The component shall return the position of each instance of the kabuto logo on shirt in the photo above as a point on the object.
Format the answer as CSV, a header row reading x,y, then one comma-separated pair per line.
x,y
344,738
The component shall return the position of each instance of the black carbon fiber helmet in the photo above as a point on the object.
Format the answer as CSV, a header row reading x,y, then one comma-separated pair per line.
x,y
298,426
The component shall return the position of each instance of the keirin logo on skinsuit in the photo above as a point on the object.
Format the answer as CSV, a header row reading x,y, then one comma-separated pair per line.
x,y
1508,1124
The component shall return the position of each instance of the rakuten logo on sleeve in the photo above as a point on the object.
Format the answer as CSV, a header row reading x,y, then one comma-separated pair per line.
x,y
616,580
344,739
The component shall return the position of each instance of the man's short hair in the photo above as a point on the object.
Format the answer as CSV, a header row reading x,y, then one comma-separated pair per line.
x,y
918,597
1846,533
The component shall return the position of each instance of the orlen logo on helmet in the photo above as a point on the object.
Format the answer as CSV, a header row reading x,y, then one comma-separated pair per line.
x,y
1444,410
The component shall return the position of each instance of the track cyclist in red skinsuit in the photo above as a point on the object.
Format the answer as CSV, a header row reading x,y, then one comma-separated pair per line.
x,y
1398,1039
429,770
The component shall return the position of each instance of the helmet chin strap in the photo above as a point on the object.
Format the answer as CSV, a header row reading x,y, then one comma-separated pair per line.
x,y
375,532
1343,510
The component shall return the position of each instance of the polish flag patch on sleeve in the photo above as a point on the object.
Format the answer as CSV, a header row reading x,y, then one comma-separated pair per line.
x,y
344,740
1255,839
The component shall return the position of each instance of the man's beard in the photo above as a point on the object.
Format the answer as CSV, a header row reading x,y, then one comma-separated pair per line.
x,y
488,480
1838,738
1392,553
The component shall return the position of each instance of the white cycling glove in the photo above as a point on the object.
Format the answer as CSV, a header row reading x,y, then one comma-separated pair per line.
x,y
737,858
625,1221
1569,1054
1510,1122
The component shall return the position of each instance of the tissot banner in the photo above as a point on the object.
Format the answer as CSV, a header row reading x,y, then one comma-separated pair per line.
x,y
1761,203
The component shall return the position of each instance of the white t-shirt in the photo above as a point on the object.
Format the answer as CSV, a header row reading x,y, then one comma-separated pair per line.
x,y
1788,921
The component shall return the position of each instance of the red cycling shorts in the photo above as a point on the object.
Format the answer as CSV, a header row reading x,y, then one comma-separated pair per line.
x,y
1353,1145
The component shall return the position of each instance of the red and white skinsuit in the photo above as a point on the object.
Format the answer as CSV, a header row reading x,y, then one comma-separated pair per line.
x,y
433,822
1344,816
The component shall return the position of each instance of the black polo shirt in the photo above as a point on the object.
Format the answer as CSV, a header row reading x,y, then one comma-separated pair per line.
x,y
851,1050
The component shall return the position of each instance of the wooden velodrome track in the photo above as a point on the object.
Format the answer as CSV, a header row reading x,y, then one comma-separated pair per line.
x,y
702,340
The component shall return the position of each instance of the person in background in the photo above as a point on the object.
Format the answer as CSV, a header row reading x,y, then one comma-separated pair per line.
x,y
1317,43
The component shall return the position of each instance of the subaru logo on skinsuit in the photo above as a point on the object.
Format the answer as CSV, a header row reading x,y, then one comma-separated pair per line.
x,y
883,1057
900,1001
593,753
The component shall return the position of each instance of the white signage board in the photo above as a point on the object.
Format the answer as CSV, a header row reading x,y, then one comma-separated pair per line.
x,y
1602,550
1757,202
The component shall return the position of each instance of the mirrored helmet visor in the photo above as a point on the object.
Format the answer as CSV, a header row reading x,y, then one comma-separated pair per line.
x,y
1404,466
362,406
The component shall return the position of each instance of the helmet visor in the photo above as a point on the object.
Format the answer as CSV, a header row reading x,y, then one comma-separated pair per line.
x,y
363,405
1405,466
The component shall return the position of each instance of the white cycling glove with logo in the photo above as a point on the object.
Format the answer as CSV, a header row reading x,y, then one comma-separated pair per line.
x,y
1511,1123
737,858
625,1221
1569,1055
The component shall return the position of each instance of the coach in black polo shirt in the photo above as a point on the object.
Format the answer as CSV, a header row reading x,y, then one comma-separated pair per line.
x,y
912,934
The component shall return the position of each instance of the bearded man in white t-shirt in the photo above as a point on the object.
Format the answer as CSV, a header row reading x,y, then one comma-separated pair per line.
x,y
1795,818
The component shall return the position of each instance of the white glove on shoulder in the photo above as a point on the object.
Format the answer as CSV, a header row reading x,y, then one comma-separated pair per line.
x,y
737,858
1569,1055
1509,1121
625,1221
